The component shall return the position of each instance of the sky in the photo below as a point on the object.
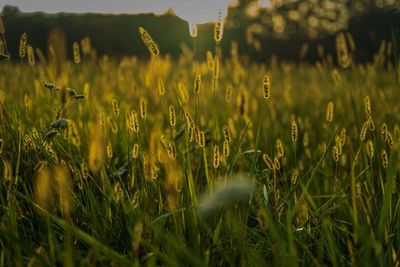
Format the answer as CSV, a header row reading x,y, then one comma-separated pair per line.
x,y
197,11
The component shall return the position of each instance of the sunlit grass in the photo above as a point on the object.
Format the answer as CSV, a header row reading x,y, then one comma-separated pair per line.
x,y
194,163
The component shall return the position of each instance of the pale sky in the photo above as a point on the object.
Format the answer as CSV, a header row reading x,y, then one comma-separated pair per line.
x,y
198,11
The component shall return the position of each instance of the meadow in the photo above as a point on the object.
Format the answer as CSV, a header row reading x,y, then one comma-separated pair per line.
x,y
162,162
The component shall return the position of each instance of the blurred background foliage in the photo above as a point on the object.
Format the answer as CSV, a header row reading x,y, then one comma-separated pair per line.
x,y
290,30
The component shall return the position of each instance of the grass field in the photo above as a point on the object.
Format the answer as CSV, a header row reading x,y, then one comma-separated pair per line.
x,y
192,163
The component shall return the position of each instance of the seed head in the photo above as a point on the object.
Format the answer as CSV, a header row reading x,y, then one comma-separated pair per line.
x,y
367,106
216,157
370,149
335,153
280,152
294,131
135,121
384,132
226,148
172,118
389,139
143,109
197,83
23,41
31,55
161,87
294,177
115,108
135,151
363,131
202,138
277,163
266,86
172,150
385,160
343,137
218,27
149,42
329,111
227,135
109,150
268,161
77,53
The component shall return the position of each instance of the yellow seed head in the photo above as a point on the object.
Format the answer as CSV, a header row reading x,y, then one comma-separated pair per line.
x,y
389,139
343,137
343,55
113,125
164,141
280,152
183,92
197,83
190,133
367,106
216,157
294,131
84,170
385,160
218,27
202,139
196,131
266,86
370,149
77,53
172,150
135,122
109,150
23,41
135,151
226,148
172,118
294,177
149,42
384,132
329,111
31,55
363,131
371,123
277,163
143,109
189,120
268,161
161,87
115,108
335,153
227,134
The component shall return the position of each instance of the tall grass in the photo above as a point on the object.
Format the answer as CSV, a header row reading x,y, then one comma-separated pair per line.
x,y
296,173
